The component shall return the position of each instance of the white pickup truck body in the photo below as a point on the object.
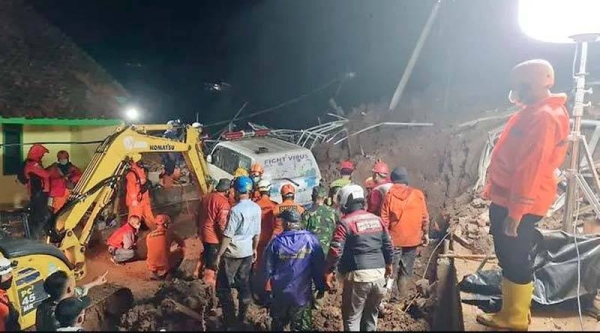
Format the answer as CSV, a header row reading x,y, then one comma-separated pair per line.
x,y
284,162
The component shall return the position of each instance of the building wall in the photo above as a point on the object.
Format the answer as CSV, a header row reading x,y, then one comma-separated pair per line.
x,y
14,192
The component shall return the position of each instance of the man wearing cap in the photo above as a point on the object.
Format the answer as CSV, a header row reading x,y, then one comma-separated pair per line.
x,y
238,251
294,261
162,259
214,210
404,212
9,316
70,313
320,219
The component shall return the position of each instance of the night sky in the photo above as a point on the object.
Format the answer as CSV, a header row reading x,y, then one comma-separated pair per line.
x,y
167,53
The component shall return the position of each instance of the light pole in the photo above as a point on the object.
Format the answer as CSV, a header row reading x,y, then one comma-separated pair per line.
x,y
568,21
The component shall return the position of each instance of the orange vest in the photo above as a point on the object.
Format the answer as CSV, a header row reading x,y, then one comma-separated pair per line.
x,y
404,212
285,205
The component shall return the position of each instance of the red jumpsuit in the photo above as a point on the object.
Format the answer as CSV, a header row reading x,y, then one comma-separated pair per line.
x,y
60,177
138,200
38,179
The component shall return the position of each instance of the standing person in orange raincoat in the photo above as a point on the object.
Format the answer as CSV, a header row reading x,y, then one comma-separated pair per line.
x,y
381,179
214,211
288,194
404,213
256,173
138,195
522,184
266,234
64,175
162,260
37,180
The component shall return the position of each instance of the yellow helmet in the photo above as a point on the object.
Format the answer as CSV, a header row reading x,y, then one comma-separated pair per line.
x,y
240,172
136,157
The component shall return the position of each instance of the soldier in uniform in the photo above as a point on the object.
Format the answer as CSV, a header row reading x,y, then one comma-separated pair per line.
x,y
320,219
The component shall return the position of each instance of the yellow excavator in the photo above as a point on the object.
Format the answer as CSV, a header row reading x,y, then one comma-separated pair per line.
x,y
69,230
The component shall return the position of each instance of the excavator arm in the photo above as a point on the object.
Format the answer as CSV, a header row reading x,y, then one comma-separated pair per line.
x,y
101,177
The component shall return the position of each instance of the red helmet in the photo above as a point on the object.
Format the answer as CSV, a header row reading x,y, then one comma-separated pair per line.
x,y
62,155
346,165
287,189
381,167
36,152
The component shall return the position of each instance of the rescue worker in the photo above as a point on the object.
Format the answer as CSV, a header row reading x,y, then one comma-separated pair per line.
x,y
381,179
266,234
256,173
361,250
123,242
138,194
70,313
320,219
288,194
64,175
346,169
522,186
294,261
404,212
37,180
9,315
238,252
162,258
214,211
239,172
369,184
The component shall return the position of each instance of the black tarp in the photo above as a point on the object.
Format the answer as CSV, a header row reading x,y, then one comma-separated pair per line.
x,y
555,272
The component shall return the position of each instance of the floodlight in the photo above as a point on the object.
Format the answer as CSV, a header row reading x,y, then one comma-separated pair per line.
x,y
132,113
558,21
569,21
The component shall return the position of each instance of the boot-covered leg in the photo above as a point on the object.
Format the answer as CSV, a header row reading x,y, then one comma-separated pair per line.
x,y
516,304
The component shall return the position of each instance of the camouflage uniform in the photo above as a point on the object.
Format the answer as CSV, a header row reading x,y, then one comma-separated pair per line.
x,y
321,220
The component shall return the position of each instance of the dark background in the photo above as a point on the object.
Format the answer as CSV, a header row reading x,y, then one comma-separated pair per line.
x,y
168,53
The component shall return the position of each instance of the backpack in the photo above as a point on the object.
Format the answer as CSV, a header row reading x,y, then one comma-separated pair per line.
x,y
21,176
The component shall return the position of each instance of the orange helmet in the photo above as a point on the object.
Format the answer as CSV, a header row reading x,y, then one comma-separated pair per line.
x,y
381,167
62,155
257,168
162,219
346,165
287,189
36,152
369,183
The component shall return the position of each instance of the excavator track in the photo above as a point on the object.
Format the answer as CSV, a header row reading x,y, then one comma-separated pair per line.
x,y
109,303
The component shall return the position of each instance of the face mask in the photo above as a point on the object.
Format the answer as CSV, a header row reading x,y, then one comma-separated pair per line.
x,y
6,284
256,179
63,162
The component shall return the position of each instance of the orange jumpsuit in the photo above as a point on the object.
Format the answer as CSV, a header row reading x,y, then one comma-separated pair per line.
x,y
267,226
60,176
138,201
212,219
285,205
160,258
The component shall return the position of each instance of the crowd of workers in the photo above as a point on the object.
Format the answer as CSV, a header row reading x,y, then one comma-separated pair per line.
x,y
285,257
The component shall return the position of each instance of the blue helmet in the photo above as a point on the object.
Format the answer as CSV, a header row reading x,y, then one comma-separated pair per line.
x,y
242,184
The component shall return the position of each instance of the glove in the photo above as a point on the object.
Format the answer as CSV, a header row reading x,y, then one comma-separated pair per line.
x,y
329,280
425,239
389,269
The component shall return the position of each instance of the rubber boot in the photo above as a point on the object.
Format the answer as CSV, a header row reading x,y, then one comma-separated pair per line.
x,y
515,313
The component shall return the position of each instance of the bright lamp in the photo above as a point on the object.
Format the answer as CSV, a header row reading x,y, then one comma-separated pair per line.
x,y
132,113
556,21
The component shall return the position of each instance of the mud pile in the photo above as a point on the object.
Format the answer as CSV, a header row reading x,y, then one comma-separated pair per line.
x,y
442,159
160,312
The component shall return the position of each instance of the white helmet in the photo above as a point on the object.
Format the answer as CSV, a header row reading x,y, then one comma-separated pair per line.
x,y
350,192
5,266
264,185
196,124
